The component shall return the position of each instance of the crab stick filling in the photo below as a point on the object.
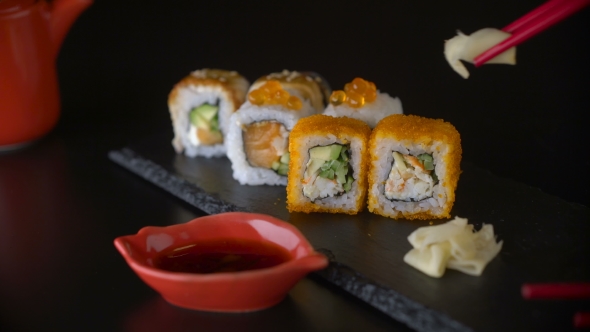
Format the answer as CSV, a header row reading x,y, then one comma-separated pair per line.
x,y
411,178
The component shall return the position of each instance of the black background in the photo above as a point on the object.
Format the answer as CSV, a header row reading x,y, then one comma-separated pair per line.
x,y
526,122
62,202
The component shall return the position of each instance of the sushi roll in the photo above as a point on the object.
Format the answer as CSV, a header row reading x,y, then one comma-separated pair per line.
x,y
414,167
361,100
258,137
200,106
328,165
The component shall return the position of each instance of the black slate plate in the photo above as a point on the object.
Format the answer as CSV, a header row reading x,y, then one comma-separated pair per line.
x,y
545,240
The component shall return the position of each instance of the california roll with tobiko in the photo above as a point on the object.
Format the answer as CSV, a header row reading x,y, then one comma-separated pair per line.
x,y
414,167
328,165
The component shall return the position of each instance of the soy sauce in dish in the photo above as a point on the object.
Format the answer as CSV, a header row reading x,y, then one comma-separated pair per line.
x,y
222,255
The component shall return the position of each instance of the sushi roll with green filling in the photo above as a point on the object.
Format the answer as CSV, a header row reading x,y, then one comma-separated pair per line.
x,y
327,172
414,167
328,165
200,107
258,137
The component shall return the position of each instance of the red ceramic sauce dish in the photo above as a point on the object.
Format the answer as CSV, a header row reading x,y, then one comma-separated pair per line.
x,y
228,262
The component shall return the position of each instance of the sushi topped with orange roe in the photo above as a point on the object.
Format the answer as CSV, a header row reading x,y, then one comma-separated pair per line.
x,y
305,85
361,100
258,138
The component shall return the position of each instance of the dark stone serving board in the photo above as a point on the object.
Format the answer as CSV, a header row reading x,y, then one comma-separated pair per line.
x,y
545,240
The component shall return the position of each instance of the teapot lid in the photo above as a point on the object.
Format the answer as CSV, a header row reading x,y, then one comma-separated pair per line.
x,y
13,6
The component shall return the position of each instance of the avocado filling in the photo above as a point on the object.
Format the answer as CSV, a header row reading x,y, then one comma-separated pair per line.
x,y
328,172
412,178
204,125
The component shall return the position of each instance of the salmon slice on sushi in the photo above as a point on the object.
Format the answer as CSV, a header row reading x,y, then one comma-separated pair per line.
x,y
414,167
328,165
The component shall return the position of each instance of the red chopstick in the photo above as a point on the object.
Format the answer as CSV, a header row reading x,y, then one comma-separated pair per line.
x,y
556,291
536,21
568,291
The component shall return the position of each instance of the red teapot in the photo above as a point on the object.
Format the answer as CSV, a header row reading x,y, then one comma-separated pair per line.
x,y
31,33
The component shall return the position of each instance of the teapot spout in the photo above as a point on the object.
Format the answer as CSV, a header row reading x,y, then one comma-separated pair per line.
x,y
63,15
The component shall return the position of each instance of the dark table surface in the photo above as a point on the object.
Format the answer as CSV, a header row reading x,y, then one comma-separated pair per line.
x,y
62,201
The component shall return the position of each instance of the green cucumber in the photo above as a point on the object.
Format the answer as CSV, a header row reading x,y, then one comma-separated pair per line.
x,y
285,158
335,164
335,151
348,185
205,117
194,117
427,161
207,111
341,173
344,154
283,169
275,165
328,174
214,123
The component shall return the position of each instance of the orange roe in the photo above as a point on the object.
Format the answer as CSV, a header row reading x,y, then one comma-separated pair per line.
x,y
294,103
272,93
337,97
257,97
356,93
355,99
